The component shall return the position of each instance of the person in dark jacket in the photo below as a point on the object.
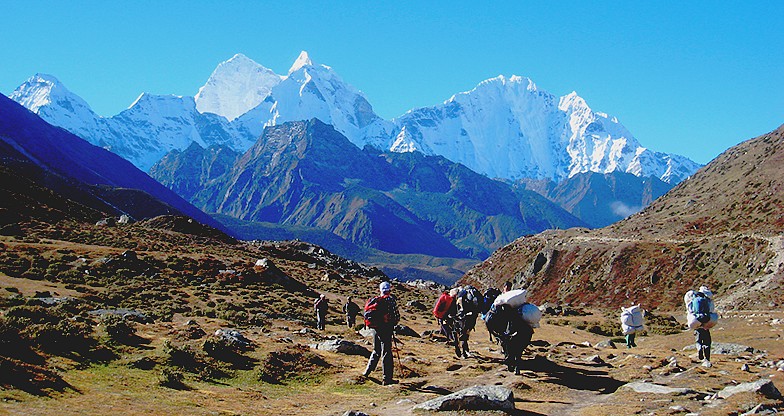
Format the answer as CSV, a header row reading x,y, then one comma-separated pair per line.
x,y
382,325
351,310
321,305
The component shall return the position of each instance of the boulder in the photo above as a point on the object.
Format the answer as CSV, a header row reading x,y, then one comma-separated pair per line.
x,y
762,386
405,331
646,387
341,346
233,337
473,398
417,305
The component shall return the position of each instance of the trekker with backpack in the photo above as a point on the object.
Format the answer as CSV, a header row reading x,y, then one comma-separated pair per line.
x,y
351,310
469,304
321,305
702,316
514,333
381,315
444,311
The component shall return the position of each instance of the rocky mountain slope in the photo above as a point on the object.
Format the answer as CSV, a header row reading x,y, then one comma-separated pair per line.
x,y
308,174
45,156
721,228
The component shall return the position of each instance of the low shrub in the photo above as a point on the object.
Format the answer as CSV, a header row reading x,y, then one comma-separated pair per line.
x,y
291,362
118,328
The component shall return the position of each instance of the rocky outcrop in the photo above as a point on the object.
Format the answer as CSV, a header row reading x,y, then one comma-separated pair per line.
x,y
763,387
473,398
341,346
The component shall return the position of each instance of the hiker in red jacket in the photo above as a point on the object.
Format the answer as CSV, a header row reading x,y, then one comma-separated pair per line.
x,y
381,316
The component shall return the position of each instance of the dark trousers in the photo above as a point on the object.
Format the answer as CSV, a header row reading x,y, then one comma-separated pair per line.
x,y
446,328
382,350
630,340
514,346
703,338
351,320
321,319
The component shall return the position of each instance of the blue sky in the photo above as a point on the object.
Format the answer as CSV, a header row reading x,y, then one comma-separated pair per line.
x,y
691,78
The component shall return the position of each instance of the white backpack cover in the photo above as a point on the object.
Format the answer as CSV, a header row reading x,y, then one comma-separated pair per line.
x,y
632,320
514,298
530,314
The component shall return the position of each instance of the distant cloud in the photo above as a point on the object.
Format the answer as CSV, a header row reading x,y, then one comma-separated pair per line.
x,y
622,210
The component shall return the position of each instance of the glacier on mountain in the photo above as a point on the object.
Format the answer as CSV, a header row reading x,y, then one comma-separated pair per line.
x,y
504,128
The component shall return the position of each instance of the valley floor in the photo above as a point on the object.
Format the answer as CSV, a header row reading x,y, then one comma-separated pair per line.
x,y
566,374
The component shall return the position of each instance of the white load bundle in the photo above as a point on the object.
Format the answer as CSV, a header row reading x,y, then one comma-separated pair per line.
x,y
530,314
687,298
514,298
691,320
632,320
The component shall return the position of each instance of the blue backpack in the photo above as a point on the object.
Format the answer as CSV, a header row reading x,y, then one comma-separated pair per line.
x,y
701,307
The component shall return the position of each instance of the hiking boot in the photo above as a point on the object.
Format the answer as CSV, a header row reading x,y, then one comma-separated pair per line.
x,y
706,364
467,354
388,382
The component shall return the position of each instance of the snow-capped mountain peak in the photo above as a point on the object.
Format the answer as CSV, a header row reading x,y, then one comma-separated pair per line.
x,y
41,90
236,86
302,60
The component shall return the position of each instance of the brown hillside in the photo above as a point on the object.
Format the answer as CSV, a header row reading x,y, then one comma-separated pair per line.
x,y
720,227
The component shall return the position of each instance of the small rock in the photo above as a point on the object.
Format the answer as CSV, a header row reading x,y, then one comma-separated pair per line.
x,y
355,413
606,344
744,367
595,359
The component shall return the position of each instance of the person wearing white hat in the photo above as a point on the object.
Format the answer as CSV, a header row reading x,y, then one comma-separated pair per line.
x,y
381,316
703,335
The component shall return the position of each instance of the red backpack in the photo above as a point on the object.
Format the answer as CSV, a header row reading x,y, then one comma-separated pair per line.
x,y
442,305
377,312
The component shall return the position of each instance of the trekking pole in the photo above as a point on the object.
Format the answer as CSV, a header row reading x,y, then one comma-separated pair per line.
x,y
397,352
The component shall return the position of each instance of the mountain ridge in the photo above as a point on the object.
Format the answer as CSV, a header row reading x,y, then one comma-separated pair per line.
x,y
546,136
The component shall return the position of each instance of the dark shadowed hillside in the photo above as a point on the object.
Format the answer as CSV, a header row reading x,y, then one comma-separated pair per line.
x,y
79,171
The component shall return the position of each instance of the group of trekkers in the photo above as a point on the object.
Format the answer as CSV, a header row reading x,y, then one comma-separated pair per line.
x,y
381,315
509,318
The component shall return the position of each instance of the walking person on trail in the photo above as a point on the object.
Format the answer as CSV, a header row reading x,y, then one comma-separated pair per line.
x,y
351,310
469,304
444,311
701,316
632,323
514,333
381,315
321,305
